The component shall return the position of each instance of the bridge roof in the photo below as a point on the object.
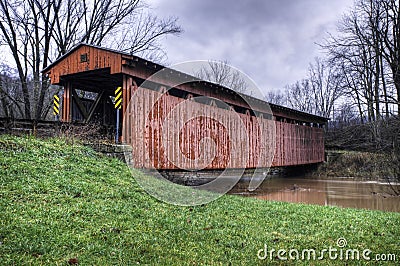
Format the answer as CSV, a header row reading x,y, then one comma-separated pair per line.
x,y
98,66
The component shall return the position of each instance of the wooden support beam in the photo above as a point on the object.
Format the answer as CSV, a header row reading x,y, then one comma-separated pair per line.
x,y
94,106
66,117
133,89
129,87
124,94
64,105
70,106
79,103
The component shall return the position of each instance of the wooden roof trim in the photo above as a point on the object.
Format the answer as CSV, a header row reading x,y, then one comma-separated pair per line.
x,y
76,47
241,100
130,62
274,108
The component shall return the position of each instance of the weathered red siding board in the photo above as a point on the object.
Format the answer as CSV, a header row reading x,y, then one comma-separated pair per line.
x,y
96,58
159,140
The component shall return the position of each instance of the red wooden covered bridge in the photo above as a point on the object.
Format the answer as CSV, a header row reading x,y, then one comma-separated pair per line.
x,y
175,121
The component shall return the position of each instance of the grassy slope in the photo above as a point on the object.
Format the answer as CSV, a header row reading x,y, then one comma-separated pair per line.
x,y
60,201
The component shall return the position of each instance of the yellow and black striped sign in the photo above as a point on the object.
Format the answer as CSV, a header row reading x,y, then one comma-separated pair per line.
x,y
118,98
56,105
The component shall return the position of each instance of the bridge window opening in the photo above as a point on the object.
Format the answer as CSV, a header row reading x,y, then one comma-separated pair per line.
x,y
268,116
84,58
263,115
176,92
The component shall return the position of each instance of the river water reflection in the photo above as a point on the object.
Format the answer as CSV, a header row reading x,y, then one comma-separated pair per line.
x,y
343,193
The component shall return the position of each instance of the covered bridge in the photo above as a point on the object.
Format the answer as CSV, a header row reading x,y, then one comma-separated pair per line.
x,y
170,117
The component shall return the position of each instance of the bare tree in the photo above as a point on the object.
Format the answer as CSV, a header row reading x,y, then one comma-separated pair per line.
x,y
344,115
10,96
326,86
355,58
367,52
299,96
277,97
318,92
221,73
389,37
143,38
36,32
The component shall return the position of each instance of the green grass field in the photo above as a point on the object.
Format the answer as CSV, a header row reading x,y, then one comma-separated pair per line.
x,y
64,204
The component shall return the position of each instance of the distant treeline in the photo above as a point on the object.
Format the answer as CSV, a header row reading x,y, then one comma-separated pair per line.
x,y
359,78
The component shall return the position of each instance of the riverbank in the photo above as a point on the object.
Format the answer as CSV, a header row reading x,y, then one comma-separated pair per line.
x,y
366,166
65,204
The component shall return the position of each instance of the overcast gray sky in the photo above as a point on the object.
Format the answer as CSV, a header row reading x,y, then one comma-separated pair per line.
x,y
272,41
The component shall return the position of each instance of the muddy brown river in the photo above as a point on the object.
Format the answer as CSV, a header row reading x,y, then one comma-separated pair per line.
x,y
344,193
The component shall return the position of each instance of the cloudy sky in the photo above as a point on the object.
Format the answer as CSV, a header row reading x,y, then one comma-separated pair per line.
x,y
272,41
